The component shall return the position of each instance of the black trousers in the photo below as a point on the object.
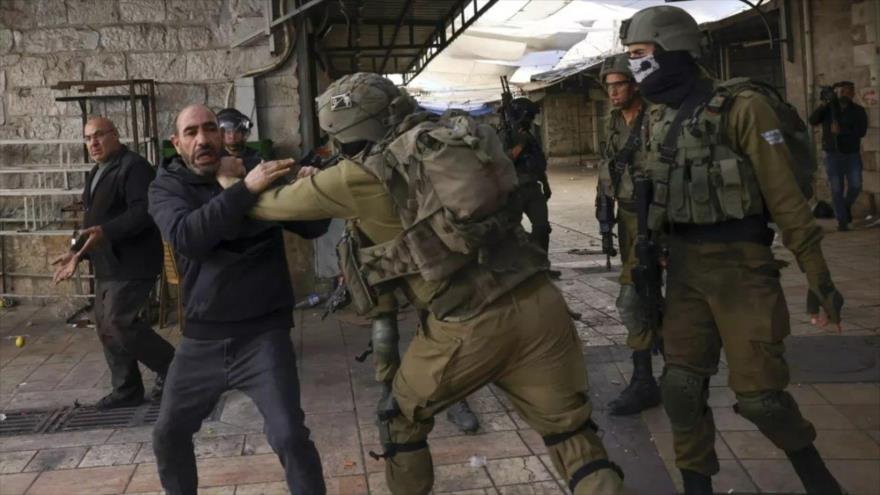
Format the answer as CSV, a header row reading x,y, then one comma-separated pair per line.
x,y
264,368
535,207
126,338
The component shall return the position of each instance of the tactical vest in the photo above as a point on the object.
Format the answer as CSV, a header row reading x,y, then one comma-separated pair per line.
x,y
617,134
454,191
705,182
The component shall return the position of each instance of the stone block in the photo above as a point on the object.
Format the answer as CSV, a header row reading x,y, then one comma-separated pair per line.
x,y
50,13
176,96
871,181
105,66
866,54
17,14
871,141
92,12
23,71
168,66
246,8
195,37
142,37
281,125
203,11
58,40
217,95
277,91
208,65
63,67
249,58
7,40
36,101
870,161
863,12
141,10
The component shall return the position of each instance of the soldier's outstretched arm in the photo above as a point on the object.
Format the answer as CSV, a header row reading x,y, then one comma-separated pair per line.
x,y
320,196
755,131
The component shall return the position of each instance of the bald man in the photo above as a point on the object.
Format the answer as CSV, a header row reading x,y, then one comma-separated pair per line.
x,y
238,304
124,247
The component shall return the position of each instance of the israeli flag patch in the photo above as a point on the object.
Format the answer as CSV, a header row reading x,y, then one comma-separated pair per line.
x,y
773,137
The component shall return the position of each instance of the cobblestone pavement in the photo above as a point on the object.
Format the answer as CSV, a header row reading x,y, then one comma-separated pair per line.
x,y
834,379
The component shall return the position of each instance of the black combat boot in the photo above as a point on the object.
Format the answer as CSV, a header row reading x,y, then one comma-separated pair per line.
x,y
696,483
811,470
642,392
460,415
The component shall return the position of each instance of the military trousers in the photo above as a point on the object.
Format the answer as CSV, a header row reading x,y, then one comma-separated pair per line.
x,y
639,337
526,344
726,296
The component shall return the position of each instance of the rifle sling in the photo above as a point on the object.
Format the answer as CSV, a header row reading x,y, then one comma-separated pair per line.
x,y
624,157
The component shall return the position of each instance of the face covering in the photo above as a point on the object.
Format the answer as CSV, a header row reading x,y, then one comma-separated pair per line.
x,y
665,77
643,67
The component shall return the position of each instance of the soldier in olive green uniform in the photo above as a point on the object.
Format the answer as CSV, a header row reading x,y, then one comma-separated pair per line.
x,y
623,128
720,171
493,318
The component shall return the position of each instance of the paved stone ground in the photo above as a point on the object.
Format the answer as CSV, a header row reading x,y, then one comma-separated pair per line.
x,y
835,380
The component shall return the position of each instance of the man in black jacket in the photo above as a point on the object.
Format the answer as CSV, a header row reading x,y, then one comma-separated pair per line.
x,y
125,249
238,302
844,124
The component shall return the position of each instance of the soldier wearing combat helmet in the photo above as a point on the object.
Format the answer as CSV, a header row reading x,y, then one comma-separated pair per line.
x,y
720,171
430,217
616,171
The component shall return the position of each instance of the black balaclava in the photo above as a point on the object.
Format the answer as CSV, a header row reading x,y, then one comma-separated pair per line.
x,y
673,77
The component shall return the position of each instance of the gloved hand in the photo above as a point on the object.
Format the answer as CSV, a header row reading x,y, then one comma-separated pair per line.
x,y
545,187
823,293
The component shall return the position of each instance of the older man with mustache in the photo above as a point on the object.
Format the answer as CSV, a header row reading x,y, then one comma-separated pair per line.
x,y
125,249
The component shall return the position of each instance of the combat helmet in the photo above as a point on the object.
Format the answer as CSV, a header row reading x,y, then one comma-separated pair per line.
x,y
361,107
232,120
668,27
523,110
616,64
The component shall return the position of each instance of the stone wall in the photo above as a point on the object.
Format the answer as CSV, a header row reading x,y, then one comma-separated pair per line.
x,y
845,47
182,44
568,126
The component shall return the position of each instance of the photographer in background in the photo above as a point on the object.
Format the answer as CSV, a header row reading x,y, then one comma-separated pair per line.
x,y
844,124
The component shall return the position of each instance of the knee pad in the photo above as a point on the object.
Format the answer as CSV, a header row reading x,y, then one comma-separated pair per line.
x,y
769,410
385,336
628,308
685,394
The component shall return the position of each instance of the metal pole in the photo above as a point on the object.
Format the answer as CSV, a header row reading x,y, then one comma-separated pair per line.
x,y
134,124
305,68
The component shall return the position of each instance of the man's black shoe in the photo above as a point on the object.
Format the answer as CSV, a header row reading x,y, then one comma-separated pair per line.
x,y
158,387
842,227
460,415
111,401
554,274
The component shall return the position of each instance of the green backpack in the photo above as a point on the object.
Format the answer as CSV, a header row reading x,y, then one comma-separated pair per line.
x,y
794,130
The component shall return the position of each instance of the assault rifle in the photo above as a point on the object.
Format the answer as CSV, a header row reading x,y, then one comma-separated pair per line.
x,y
507,128
646,274
605,216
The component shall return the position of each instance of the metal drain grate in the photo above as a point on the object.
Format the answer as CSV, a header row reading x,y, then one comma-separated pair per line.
x,y
26,422
84,418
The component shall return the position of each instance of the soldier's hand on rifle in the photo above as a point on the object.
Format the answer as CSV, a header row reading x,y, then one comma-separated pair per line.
x,y
822,293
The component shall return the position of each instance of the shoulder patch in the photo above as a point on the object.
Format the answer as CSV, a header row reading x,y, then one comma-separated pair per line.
x,y
773,137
